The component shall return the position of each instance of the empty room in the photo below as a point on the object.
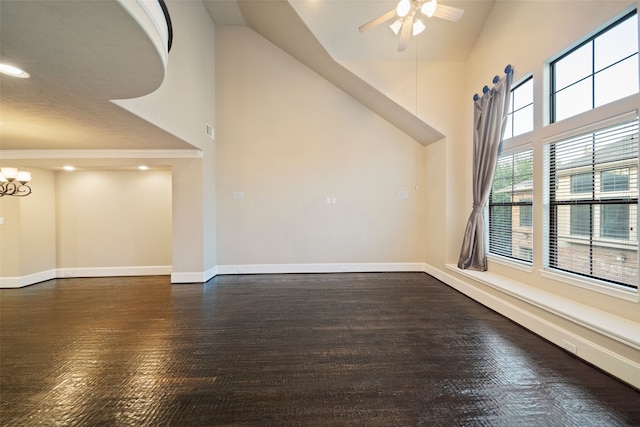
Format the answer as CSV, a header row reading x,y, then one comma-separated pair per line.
x,y
319,212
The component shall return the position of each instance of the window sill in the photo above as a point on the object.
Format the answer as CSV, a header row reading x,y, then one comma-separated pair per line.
x,y
610,325
518,265
592,285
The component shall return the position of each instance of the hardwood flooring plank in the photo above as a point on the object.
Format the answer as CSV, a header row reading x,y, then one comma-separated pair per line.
x,y
378,349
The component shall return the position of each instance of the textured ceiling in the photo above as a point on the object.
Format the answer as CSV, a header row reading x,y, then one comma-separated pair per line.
x,y
80,55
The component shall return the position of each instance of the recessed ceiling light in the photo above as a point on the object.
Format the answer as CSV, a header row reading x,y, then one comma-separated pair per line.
x,y
10,70
68,168
143,167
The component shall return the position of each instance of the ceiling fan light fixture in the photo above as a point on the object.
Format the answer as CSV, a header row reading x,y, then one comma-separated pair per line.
x,y
395,27
418,27
429,8
403,8
12,71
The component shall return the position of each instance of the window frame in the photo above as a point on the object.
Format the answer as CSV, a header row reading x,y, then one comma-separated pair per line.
x,y
512,111
592,73
595,200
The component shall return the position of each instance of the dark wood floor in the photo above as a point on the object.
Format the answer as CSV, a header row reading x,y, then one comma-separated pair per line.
x,y
392,349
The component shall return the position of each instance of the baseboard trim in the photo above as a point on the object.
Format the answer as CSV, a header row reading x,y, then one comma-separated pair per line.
x,y
153,270
188,277
194,276
31,279
319,268
67,273
613,363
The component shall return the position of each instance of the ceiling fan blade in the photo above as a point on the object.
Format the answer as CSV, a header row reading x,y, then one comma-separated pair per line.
x,y
405,31
448,12
377,21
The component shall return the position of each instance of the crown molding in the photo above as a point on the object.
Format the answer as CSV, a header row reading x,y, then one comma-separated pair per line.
x,y
100,154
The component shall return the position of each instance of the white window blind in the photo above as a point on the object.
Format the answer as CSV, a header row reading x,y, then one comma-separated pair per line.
x,y
511,208
592,202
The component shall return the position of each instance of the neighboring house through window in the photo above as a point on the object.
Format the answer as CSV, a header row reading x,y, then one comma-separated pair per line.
x,y
593,216
511,207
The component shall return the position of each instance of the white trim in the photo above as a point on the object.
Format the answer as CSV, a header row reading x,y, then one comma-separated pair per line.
x,y
148,21
101,154
194,276
153,270
614,327
591,127
156,16
21,282
513,263
188,277
591,284
618,329
319,268
210,273
65,273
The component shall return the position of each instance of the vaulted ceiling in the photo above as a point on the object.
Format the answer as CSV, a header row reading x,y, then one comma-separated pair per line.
x,y
66,45
335,25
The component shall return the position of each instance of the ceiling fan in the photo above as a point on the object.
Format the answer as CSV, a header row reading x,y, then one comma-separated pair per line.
x,y
407,22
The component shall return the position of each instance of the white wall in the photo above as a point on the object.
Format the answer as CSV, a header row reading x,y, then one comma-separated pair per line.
x,y
288,140
435,92
28,233
182,105
38,224
113,220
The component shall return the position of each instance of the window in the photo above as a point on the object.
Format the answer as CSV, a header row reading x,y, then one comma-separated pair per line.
x,y
580,223
526,214
614,180
520,116
581,183
600,70
510,207
614,221
592,216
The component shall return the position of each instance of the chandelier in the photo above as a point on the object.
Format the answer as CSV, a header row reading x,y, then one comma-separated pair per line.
x,y
14,182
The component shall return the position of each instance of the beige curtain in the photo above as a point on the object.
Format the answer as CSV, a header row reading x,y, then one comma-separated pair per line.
x,y
489,120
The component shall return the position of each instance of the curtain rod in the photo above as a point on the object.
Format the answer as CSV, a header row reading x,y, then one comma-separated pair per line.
x,y
496,79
